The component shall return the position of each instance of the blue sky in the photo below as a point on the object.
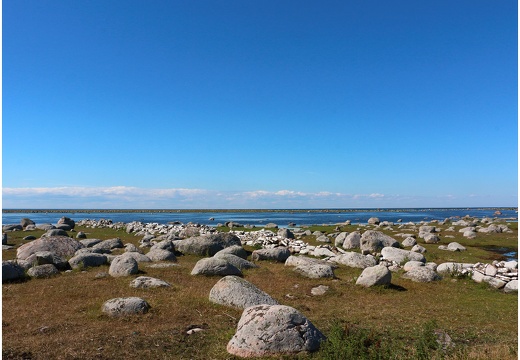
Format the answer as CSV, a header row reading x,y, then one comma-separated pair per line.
x,y
259,104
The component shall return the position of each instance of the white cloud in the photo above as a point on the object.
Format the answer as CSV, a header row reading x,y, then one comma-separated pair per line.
x,y
128,197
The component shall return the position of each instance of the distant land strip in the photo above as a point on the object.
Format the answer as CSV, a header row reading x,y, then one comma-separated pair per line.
x,y
88,211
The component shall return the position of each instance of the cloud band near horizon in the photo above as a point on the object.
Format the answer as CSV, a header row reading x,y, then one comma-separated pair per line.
x,y
127,197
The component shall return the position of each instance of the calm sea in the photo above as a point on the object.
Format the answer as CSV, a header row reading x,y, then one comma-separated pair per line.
x,y
260,218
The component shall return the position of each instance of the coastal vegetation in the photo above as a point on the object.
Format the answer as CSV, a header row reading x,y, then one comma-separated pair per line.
x,y
61,318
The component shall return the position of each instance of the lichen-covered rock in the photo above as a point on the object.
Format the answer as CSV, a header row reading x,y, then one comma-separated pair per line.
x,y
273,330
125,306
236,292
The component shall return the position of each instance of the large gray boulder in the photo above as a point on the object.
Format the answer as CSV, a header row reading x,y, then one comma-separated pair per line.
x,y
373,241
108,245
352,241
236,292
409,242
455,246
236,261
137,256
161,255
147,282
206,245
59,245
375,275
511,286
214,267
294,260
273,330
55,232
400,256
12,227
421,274
42,271
125,306
355,260
315,271
123,266
278,254
47,257
285,233
12,271
340,238
453,267
26,222
431,239
90,242
237,250
86,260
373,221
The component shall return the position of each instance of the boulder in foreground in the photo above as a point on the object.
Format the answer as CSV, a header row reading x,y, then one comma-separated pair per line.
x,y
273,330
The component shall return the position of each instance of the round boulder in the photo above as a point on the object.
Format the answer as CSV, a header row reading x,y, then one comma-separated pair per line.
x,y
42,271
273,330
84,260
315,271
123,266
214,267
279,254
125,306
161,255
375,275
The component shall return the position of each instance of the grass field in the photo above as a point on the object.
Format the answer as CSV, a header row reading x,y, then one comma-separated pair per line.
x,y
61,318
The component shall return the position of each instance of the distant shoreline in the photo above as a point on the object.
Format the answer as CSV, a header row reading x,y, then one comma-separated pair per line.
x,y
88,211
